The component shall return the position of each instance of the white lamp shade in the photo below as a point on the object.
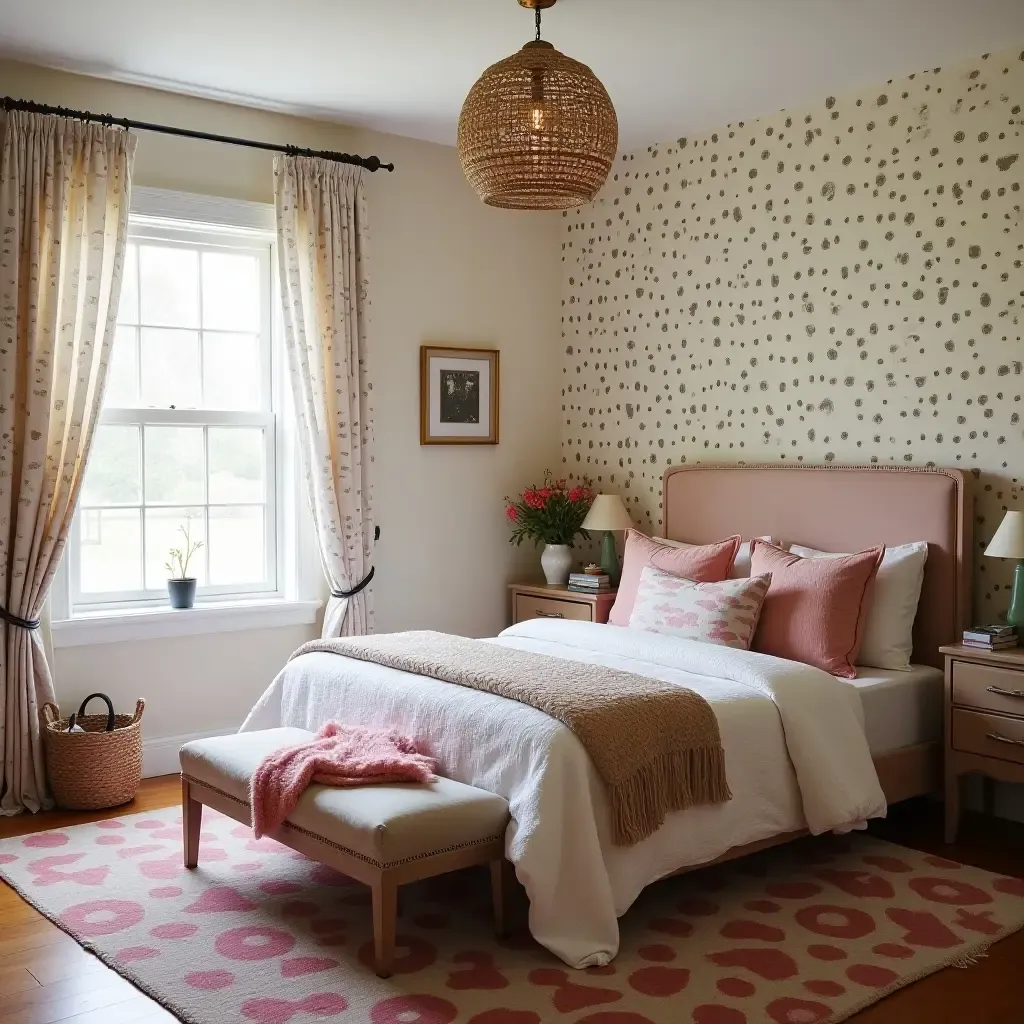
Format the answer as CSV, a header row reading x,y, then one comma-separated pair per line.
x,y
607,513
1009,539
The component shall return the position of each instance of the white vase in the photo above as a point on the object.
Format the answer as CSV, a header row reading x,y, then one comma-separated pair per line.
x,y
556,561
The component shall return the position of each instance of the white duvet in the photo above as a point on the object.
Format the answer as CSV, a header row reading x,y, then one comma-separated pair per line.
x,y
796,757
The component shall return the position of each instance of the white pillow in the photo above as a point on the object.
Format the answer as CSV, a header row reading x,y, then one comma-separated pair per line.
x,y
888,640
740,568
741,563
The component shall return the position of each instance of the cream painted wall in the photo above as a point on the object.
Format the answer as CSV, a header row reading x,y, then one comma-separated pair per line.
x,y
444,268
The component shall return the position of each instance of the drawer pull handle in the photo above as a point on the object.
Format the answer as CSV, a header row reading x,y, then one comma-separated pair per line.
x,y
1005,693
1004,739
549,615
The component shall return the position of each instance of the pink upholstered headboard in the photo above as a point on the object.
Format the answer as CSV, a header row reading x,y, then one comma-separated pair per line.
x,y
841,508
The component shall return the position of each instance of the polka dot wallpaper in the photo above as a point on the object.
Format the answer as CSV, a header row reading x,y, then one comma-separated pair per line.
x,y
841,283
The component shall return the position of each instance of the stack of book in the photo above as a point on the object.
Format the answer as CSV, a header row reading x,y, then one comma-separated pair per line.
x,y
991,638
589,583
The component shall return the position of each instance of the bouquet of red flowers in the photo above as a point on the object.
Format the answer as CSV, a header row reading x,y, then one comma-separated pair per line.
x,y
552,514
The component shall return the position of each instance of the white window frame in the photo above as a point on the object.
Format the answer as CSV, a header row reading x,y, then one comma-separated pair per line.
x,y
293,590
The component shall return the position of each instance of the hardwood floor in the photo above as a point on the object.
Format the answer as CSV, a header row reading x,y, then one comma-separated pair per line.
x,y
46,977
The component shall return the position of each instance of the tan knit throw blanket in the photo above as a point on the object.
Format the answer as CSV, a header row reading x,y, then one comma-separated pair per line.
x,y
655,745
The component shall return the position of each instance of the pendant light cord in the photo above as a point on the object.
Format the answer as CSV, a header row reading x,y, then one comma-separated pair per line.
x,y
537,16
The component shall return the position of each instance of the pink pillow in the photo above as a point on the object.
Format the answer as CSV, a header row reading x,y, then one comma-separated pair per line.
x,y
816,607
706,563
723,613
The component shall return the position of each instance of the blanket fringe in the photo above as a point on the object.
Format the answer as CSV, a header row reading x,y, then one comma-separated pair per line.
x,y
671,781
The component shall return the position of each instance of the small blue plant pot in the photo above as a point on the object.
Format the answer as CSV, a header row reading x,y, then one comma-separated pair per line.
x,y
182,593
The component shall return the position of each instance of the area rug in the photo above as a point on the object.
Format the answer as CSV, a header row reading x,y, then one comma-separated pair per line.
x,y
804,934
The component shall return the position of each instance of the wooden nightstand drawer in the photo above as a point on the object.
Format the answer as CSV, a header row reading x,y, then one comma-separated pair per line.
x,y
530,607
989,688
539,601
989,735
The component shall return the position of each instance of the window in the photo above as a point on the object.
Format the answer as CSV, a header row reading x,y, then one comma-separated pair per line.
x,y
188,436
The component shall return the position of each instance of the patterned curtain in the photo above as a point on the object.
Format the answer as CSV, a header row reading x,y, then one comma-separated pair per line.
x,y
64,194
322,240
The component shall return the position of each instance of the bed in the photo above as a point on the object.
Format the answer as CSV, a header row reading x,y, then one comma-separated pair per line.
x,y
850,508
804,751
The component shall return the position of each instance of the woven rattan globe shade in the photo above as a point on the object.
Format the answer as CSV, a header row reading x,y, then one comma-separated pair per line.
x,y
538,132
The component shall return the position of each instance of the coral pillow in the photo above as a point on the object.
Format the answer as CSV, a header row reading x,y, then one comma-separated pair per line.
x,y
816,608
888,640
723,613
706,563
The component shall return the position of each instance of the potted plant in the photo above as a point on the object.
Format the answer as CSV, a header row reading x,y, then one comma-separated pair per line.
x,y
181,587
552,515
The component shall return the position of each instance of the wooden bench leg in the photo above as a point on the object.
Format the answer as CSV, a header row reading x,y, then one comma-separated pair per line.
x,y
385,915
498,895
191,824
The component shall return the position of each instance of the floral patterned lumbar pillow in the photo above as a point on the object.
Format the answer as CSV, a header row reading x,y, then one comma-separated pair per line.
x,y
723,613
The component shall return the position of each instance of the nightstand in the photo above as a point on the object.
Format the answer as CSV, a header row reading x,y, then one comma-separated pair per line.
x,y
984,720
540,601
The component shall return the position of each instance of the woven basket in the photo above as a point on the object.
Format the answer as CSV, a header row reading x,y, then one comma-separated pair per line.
x,y
100,767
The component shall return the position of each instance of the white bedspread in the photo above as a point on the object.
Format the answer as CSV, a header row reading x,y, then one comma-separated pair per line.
x,y
796,757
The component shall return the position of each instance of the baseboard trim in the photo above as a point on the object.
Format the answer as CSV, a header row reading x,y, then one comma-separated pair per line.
x,y
160,755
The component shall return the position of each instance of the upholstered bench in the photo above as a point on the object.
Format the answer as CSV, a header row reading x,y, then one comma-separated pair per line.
x,y
384,835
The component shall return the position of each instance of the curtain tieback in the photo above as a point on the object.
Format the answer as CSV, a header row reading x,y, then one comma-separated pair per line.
x,y
16,620
364,582
361,585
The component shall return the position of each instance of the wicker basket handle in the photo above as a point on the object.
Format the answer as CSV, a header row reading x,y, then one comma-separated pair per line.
x,y
140,706
50,712
111,719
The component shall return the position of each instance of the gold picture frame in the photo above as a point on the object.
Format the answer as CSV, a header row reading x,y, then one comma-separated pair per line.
x,y
459,395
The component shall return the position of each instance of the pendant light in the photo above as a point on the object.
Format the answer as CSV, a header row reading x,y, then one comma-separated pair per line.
x,y
538,130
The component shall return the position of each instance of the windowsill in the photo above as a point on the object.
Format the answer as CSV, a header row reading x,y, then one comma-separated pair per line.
x,y
117,626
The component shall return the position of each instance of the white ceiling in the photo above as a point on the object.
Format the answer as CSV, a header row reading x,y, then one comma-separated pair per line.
x,y
672,67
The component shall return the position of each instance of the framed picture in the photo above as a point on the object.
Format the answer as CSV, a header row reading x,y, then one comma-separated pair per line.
x,y
458,395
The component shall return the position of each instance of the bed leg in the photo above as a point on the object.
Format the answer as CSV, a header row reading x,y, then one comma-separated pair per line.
x,y
385,913
499,896
191,824
952,815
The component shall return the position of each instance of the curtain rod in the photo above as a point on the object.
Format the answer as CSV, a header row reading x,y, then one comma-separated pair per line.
x,y
371,163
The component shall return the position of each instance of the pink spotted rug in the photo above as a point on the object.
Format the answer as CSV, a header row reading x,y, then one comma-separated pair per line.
x,y
805,934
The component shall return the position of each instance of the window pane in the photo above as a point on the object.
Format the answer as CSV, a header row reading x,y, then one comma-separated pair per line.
x,y
123,372
170,368
128,311
236,464
231,292
165,530
231,371
111,549
169,281
174,465
112,477
236,545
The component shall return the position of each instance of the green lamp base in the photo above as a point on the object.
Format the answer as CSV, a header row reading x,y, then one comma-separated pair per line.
x,y
610,560
1015,613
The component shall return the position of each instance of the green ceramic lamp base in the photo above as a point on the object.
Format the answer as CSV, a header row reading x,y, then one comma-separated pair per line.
x,y
1015,613
610,558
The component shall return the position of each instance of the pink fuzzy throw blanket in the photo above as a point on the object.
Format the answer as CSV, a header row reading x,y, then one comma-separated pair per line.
x,y
339,755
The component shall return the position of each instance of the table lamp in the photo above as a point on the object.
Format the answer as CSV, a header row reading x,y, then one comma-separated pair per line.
x,y
1009,543
606,515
